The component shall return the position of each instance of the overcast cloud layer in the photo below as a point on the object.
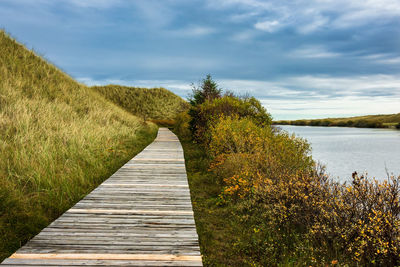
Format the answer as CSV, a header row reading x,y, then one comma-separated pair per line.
x,y
301,58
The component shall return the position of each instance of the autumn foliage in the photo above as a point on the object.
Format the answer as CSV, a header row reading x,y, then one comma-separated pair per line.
x,y
291,211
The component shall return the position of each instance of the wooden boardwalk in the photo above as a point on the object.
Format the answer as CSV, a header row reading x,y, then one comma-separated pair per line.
x,y
141,216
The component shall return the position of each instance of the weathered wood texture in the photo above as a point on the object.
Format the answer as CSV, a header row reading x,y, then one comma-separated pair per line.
x,y
141,216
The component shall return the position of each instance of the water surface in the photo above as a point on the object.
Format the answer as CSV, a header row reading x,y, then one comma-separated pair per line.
x,y
344,150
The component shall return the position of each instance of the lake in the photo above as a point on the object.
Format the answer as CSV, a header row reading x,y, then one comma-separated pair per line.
x,y
344,150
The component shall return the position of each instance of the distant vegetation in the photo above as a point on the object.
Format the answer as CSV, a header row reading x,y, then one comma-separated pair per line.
x,y
156,103
260,200
58,141
371,121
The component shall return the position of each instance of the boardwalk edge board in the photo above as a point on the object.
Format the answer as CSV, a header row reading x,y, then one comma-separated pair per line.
x,y
157,257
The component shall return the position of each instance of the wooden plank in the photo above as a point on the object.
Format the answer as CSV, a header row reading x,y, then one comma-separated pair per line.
x,y
146,185
52,262
161,257
158,159
130,211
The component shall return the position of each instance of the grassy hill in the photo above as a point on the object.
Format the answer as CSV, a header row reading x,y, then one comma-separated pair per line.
x,y
155,103
58,140
370,121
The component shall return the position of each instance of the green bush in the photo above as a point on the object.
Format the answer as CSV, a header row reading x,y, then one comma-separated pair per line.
x,y
367,124
204,115
181,126
349,123
326,123
299,122
315,122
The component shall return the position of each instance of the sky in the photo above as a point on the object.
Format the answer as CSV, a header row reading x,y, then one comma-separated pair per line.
x,y
300,58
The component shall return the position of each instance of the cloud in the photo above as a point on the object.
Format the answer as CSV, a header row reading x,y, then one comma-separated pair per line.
x,y
357,86
98,4
193,31
313,51
313,25
316,108
179,62
319,87
242,17
383,58
243,36
258,88
221,4
268,26
157,14
393,60
308,16
361,12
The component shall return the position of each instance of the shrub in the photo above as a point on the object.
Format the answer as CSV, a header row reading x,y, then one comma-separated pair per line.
x,y
302,211
299,122
360,221
315,122
340,124
181,126
398,125
367,124
326,122
205,114
242,151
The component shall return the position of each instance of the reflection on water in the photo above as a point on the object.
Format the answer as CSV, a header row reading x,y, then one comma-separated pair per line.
x,y
345,150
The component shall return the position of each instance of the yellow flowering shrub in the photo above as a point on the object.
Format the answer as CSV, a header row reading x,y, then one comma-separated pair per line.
x,y
363,220
203,116
292,207
246,153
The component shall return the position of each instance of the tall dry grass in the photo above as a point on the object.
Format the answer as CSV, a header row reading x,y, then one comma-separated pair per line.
x,y
155,103
58,141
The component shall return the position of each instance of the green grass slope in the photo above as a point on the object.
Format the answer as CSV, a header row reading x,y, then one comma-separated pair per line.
x,y
155,103
369,121
58,140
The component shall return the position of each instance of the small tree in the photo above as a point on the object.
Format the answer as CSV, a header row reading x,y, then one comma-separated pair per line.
x,y
208,90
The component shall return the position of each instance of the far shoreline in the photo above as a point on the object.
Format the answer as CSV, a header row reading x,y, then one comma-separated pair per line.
x,y
390,121
337,126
